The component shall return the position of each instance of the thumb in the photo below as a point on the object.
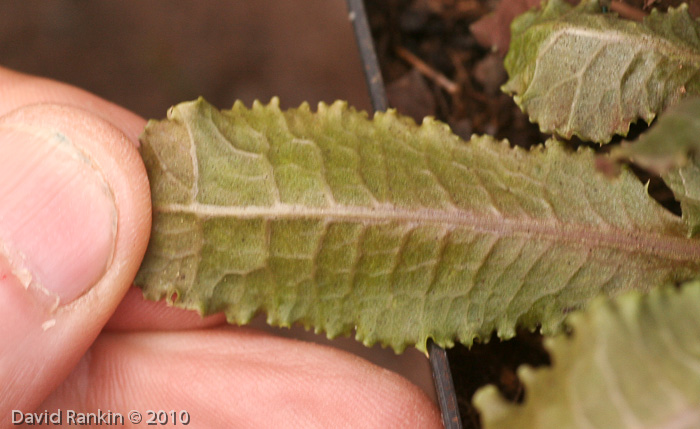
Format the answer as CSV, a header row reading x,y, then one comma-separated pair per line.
x,y
74,222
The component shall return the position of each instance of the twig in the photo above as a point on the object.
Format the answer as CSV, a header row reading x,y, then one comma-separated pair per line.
x,y
444,386
427,71
628,12
363,35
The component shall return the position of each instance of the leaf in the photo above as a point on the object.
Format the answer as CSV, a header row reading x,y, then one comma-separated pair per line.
x,y
671,149
400,232
670,143
685,184
576,71
631,363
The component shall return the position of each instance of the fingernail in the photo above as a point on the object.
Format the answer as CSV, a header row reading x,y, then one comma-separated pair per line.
x,y
57,214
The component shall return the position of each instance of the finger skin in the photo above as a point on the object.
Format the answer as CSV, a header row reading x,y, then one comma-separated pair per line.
x,y
18,90
138,314
53,339
241,379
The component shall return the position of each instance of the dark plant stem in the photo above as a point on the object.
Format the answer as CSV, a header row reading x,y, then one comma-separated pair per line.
x,y
444,386
365,44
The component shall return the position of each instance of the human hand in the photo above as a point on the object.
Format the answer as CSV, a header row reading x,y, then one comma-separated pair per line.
x,y
74,224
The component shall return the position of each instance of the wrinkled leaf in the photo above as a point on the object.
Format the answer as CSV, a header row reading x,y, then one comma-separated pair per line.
x,y
577,71
633,362
685,184
397,231
672,149
670,143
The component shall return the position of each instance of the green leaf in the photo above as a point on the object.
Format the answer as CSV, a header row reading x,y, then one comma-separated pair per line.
x,y
685,184
397,231
670,143
576,71
631,363
671,149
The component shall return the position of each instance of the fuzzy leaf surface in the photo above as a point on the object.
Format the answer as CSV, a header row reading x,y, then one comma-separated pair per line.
x,y
671,148
401,232
577,71
632,362
685,184
670,143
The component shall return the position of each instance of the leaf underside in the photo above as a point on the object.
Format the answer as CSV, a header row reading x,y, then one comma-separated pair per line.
x,y
672,149
578,71
631,363
670,143
400,232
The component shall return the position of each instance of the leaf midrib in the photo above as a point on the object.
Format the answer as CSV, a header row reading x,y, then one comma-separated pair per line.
x,y
671,247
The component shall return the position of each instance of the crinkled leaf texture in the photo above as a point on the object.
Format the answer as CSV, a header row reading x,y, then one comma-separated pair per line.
x,y
670,143
685,184
577,71
672,149
632,362
401,232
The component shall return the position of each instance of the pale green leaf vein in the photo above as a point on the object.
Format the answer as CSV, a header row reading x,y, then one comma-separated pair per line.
x,y
633,241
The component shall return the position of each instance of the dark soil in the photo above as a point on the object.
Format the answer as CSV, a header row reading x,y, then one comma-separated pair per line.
x,y
436,61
